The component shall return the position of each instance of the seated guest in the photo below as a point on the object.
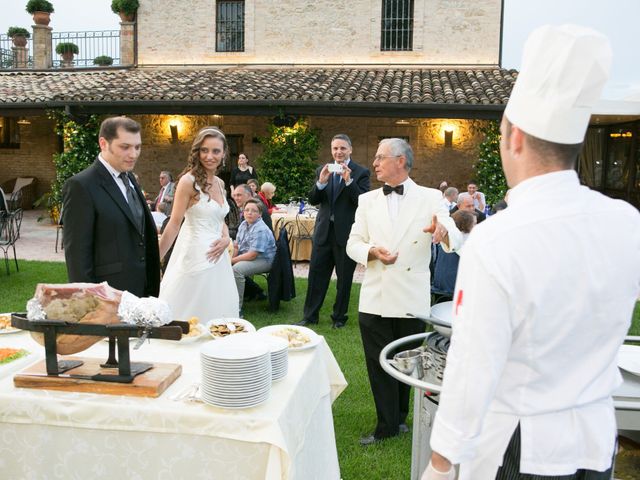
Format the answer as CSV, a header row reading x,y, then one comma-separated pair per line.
x,y
164,201
266,194
254,248
255,186
450,198
466,203
445,268
241,194
479,201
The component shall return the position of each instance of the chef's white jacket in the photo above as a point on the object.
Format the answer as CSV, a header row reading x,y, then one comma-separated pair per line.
x,y
544,297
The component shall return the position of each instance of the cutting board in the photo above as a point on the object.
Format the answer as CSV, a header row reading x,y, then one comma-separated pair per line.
x,y
148,384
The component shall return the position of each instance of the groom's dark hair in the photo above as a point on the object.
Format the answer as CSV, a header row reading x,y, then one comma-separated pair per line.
x,y
109,127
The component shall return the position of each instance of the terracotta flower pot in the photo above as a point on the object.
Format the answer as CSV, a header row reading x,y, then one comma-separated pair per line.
x,y
126,17
41,18
19,41
67,57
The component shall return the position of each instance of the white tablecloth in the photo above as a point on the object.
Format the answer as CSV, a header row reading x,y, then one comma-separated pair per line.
x,y
51,434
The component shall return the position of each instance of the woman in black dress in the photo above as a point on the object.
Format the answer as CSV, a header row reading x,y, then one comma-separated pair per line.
x,y
242,172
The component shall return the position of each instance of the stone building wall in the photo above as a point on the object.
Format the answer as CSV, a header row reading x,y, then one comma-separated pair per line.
x,y
433,161
34,158
446,32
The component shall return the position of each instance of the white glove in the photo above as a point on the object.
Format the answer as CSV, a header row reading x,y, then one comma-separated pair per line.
x,y
432,474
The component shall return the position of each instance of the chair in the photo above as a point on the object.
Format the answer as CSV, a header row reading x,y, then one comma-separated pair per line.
x,y
303,233
58,232
8,238
22,191
280,281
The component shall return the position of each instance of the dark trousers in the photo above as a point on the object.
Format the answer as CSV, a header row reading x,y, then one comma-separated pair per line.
x,y
510,469
323,259
390,396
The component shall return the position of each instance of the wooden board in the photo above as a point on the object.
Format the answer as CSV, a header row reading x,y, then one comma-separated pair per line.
x,y
148,384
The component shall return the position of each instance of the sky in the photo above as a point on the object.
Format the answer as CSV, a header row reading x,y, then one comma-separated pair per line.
x,y
618,19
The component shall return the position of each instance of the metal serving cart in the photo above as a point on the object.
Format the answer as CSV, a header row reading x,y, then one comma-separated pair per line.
x,y
428,387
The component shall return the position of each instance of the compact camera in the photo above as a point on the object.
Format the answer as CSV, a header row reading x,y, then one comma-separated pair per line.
x,y
335,168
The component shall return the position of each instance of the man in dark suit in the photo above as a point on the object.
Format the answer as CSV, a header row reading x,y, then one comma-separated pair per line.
x,y
337,188
109,233
466,203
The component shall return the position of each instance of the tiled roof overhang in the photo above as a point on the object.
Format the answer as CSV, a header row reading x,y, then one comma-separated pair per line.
x,y
415,92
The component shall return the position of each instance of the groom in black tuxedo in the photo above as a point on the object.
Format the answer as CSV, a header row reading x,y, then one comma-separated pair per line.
x,y
336,191
109,233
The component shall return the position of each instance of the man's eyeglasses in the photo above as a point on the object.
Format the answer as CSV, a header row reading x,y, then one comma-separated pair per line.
x,y
378,158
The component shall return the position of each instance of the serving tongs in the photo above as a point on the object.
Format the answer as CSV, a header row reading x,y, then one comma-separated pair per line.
x,y
118,333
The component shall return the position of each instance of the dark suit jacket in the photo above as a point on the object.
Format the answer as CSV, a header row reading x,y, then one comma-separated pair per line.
x,y
344,210
281,282
101,240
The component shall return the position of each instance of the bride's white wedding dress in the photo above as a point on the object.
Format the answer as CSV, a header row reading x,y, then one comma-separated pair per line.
x,y
193,286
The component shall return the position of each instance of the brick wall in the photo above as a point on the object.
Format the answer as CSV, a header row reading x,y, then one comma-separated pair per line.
x,y
446,32
433,161
34,158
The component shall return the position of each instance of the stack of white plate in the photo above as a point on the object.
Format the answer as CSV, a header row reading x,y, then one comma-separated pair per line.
x,y
279,356
236,372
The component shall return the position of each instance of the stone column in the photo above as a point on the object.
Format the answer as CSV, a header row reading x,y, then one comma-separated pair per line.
x,y
20,57
127,40
42,57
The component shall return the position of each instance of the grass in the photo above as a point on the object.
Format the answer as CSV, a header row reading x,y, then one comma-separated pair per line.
x,y
354,414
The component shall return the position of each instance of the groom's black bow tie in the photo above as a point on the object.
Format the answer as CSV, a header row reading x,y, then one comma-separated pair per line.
x,y
387,189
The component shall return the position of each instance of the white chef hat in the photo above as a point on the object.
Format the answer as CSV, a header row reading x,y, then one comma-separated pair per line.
x,y
563,72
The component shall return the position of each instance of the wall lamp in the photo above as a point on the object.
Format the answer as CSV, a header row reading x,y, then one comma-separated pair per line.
x,y
448,138
174,133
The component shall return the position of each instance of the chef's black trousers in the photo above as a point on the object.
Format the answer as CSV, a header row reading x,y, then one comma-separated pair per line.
x,y
391,397
510,469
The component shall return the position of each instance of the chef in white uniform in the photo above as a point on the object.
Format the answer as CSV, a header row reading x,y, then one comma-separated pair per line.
x,y
545,290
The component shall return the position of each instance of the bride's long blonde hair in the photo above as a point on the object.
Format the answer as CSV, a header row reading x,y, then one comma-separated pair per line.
x,y
193,160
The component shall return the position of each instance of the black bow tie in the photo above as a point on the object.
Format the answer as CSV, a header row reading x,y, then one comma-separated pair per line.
x,y
387,189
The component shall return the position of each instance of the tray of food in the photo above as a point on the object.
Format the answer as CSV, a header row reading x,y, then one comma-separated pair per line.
x,y
223,327
5,324
299,338
197,331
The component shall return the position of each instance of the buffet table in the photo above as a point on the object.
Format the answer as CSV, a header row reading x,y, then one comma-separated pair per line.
x,y
53,434
300,225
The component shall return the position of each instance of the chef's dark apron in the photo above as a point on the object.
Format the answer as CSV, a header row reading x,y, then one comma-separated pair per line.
x,y
510,469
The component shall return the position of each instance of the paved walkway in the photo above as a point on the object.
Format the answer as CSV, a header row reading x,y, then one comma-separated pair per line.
x,y
38,241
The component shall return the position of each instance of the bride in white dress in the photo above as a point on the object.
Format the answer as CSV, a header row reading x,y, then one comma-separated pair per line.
x,y
198,281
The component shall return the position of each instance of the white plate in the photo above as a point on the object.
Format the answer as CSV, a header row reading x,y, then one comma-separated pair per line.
x,y
248,326
314,338
629,358
7,331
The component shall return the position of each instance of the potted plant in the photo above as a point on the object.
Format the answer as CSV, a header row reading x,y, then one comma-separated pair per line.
x,y
125,8
67,50
41,11
103,60
19,36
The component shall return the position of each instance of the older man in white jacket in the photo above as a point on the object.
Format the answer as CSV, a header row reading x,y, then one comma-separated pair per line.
x,y
392,235
543,298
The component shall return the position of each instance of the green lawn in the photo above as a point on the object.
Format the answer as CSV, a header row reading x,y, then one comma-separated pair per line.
x,y
354,414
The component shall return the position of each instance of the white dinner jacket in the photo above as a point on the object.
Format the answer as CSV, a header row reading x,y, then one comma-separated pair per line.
x,y
404,287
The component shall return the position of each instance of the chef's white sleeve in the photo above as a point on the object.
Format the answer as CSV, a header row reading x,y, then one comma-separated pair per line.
x,y
480,344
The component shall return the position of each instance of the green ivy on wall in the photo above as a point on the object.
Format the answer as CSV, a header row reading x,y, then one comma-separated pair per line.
x,y
80,150
489,175
289,159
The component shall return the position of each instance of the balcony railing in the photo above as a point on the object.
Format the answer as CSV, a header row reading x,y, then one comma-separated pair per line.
x,y
90,46
7,56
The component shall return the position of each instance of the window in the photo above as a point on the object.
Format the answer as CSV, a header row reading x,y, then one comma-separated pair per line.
x,y
9,133
230,26
397,25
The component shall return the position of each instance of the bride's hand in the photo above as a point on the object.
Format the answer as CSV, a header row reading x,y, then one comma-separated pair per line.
x,y
217,248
